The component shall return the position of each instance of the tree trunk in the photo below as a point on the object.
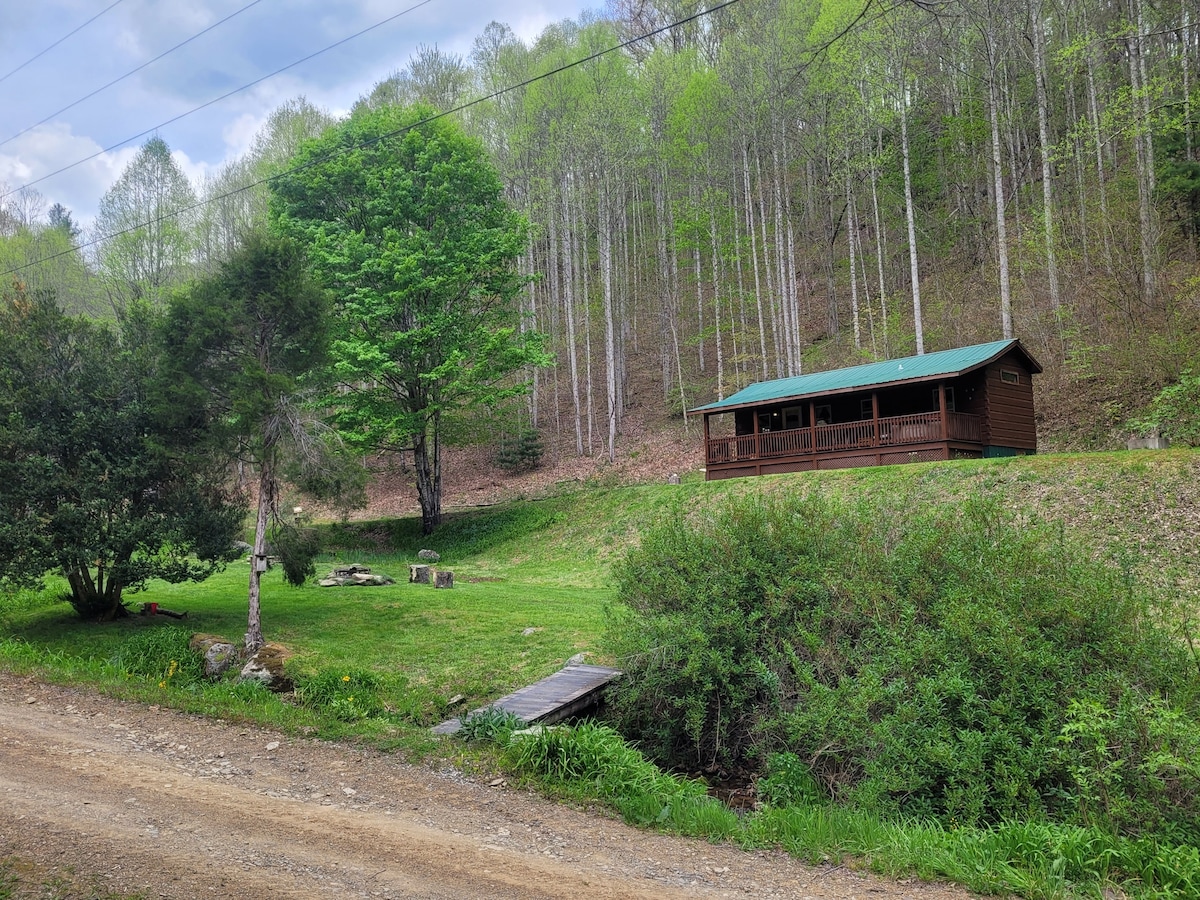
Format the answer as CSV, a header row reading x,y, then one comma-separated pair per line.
x,y
911,220
762,322
426,461
610,352
851,234
1098,145
1039,71
258,558
91,598
1006,322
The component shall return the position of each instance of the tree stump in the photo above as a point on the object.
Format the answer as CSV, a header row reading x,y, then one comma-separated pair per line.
x,y
418,574
444,580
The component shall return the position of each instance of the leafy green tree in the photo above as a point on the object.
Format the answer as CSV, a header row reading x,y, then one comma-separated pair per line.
x,y
144,228
406,223
60,218
1174,412
243,339
47,258
96,482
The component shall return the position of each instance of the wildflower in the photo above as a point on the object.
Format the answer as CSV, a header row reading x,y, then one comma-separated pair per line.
x,y
162,684
345,678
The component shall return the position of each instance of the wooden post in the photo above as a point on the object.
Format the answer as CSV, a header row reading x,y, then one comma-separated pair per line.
x,y
942,406
875,427
812,430
443,580
708,457
418,574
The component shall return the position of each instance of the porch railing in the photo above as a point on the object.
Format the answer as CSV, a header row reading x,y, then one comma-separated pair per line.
x,y
893,431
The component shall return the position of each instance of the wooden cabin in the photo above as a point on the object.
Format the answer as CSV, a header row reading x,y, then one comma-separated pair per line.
x,y
967,403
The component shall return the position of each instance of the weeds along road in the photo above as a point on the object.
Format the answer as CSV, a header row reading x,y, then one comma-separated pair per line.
x,y
112,798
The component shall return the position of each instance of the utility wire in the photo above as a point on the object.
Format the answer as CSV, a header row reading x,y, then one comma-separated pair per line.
x,y
215,100
42,53
375,140
131,72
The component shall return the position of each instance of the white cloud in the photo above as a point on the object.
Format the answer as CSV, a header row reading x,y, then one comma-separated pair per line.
x,y
48,148
239,133
262,39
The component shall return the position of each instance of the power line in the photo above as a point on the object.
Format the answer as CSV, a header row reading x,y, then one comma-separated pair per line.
x,y
131,72
75,30
216,100
375,140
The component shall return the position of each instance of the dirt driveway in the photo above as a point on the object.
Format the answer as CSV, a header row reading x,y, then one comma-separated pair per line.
x,y
107,798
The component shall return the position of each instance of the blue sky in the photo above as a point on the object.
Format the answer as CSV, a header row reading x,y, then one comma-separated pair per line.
x,y
265,37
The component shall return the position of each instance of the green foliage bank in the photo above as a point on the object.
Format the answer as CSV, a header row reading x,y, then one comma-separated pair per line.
x,y
961,664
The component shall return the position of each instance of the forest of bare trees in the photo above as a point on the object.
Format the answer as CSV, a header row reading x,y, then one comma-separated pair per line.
x,y
782,186
785,185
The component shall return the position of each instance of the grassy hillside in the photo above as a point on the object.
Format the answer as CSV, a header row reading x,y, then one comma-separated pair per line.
x,y
534,584
534,577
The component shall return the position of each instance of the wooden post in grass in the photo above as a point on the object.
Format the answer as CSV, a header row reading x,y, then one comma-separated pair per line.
x,y
444,580
418,574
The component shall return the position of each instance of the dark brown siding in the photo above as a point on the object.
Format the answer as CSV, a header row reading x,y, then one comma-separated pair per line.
x,y
1009,418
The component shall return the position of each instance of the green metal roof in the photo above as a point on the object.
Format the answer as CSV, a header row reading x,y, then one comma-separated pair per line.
x,y
944,363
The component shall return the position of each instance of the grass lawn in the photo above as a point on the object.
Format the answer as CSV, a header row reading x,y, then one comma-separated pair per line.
x,y
533,582
478,640
533,578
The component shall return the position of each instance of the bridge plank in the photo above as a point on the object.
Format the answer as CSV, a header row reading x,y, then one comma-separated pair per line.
x,y
550,700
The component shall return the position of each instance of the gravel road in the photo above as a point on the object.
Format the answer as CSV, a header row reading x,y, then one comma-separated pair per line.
x,y
106,798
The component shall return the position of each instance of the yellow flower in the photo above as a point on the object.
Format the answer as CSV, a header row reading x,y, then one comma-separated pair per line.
x,y
162,684
345,678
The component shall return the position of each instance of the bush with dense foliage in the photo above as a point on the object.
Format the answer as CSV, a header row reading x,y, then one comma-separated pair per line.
x,y
101,479
967,664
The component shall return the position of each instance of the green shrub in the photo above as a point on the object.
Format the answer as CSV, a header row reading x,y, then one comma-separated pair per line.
x,y
298,548
924,662
491,724
160,653
596,760
788,782
522,453
346,695
1175,412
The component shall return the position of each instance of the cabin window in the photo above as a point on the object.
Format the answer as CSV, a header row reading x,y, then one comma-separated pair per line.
x,y
937,404
1008,376
792,416
769,421
824,414
865,410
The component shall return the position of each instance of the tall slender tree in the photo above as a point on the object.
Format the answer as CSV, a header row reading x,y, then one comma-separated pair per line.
x,y
405,221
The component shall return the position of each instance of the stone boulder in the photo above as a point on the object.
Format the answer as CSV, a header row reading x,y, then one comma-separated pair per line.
x,y
428,556
266,667
220,655
354,576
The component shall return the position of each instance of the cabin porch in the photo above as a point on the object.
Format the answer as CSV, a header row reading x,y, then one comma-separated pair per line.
x,y
909,424
920,437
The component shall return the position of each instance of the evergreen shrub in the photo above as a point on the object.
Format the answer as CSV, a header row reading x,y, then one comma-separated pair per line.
x,y
522,453
967,664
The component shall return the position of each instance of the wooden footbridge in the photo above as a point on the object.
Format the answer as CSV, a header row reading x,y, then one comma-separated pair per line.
x,y
565,693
